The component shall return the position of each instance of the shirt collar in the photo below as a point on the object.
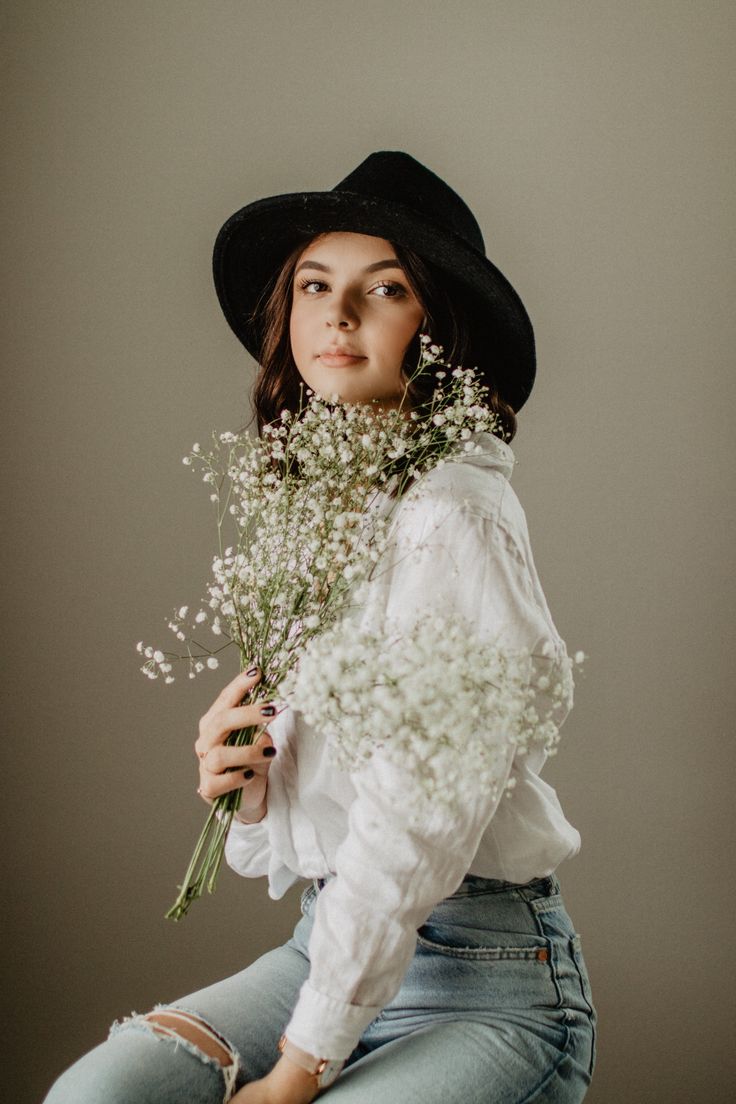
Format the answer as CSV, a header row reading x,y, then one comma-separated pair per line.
x,y
494,453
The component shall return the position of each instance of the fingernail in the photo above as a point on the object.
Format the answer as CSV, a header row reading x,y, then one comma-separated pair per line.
x,y
253,671
268,710
248,773
269,752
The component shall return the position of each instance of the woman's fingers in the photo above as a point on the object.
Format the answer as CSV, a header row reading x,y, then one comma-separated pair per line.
x,y
224,768
222,757
226,715
234,691
226,721
214,729
214,785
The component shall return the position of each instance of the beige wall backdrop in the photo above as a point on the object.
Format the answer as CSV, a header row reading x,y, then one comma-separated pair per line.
x,y
594,142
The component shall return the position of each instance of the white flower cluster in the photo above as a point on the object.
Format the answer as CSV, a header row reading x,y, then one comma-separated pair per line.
x,y
435,699
302,503
308,506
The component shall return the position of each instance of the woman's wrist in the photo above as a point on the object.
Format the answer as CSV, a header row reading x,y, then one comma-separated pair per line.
x,y
254,816
302,1086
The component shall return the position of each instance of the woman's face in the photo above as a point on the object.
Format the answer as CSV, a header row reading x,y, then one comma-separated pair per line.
x,y
353,316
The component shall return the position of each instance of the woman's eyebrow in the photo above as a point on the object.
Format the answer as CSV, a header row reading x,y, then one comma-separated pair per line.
x,y
393,262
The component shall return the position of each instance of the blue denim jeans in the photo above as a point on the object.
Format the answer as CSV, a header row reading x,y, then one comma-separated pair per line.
x,y
495,1008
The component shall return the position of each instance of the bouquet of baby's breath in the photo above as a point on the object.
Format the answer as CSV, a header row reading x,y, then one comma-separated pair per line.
x,y
308,504
386,690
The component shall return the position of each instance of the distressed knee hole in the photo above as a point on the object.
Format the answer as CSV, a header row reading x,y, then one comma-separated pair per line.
x,y
193,1029
188,1030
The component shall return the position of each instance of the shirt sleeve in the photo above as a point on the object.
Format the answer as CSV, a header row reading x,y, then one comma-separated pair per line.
x,y
390,876
248,848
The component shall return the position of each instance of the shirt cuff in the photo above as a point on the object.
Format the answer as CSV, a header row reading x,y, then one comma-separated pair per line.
x,y
235,823
248,848
252,823
326,1027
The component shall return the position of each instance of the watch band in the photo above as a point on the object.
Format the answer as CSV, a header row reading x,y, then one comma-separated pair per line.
x,y
325,1070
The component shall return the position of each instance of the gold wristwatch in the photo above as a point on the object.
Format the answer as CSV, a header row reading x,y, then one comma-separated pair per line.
x,y
324,1069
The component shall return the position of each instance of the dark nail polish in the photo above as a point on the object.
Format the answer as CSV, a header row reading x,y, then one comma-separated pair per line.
x,y
269,752
268,710
248,773
253,671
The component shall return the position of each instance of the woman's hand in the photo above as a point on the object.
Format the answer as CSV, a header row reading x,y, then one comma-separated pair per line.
x,y
285,1084
222,767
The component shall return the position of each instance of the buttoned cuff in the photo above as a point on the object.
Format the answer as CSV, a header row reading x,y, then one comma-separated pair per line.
x,y
326,1027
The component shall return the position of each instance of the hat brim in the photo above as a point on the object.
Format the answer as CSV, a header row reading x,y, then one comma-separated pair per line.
x,y
253,243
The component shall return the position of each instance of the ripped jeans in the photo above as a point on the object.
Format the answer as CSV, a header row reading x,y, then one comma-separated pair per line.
x,y
495,1008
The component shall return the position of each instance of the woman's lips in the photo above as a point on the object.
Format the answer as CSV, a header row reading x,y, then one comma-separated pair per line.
x,y
334,360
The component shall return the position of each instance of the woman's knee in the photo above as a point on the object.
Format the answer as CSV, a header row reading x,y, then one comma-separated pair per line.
x,y
171,1022
160,1057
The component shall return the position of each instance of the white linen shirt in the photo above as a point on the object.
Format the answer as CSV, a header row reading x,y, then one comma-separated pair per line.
x,y
458,543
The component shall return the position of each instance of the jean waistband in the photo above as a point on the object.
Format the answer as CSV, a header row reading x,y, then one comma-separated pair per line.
x,y
545,885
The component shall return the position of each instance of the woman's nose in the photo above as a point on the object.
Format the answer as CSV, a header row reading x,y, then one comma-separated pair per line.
x,y
341,313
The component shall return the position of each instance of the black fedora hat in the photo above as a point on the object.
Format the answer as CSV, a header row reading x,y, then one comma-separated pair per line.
x,y
390,195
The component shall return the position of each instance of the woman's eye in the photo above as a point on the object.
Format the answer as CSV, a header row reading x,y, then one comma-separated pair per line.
x,y
304,284
390,286
391,289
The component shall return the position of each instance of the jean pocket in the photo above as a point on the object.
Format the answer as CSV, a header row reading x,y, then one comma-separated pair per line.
x,y
530,949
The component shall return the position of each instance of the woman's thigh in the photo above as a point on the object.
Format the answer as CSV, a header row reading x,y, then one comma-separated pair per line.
x,y
495,1007
138,1065
463,1060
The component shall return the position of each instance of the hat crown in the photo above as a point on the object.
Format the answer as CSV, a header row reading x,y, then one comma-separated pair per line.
x,y
399,178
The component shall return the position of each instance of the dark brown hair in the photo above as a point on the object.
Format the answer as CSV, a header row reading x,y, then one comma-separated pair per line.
x,y
278,383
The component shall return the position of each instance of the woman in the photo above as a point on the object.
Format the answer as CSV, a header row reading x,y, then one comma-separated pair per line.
x,y
434,963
